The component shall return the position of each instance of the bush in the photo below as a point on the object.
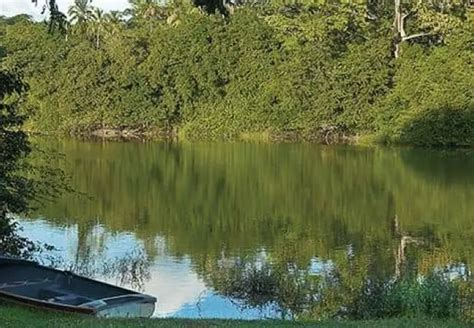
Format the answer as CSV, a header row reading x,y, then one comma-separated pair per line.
x,y
432,102
432,296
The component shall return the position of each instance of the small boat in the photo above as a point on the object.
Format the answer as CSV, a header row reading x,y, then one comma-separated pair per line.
x,y
30,284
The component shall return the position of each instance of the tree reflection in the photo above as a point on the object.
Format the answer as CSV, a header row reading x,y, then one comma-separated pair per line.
x,y
344,286
311,229
403,240
133,269
200,197
298,294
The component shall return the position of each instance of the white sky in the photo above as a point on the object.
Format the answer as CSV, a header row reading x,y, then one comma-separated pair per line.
x,y
15,7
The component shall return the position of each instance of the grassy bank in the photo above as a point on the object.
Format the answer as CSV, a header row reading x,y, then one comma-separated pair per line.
x,y
18,317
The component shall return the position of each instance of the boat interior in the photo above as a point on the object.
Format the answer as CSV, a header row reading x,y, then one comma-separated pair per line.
x,y
52,286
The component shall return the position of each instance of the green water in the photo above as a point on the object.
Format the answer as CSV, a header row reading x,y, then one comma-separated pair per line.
x,y
296,203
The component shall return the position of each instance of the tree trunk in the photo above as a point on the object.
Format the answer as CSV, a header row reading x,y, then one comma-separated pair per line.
x,y
400,253
399,32
397,29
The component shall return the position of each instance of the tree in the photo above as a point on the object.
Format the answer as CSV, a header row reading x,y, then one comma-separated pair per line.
x,y
57,20
311,70
114,17
15,190
99,23
114,20
213,6
434,20
145,9
81,13
21,183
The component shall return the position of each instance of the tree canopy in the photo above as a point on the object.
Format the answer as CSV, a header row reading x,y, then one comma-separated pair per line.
x,y
314,70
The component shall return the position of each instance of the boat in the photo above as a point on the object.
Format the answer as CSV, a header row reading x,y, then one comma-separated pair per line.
x,y
30,284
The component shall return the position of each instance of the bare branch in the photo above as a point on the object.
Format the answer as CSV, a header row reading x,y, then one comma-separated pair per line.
x,y
371,16
405,16
403,34
414,36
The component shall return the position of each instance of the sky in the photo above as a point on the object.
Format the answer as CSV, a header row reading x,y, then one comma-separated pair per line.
x,y
15,7
173,280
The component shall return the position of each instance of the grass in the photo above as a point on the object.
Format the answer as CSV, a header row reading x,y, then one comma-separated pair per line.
x,y
13,317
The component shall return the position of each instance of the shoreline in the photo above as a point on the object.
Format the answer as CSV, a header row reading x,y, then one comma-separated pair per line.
x,y
116,135
175,135
17,317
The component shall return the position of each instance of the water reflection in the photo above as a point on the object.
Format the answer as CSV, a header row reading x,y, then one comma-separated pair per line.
x,y
180,290
193,210
348,288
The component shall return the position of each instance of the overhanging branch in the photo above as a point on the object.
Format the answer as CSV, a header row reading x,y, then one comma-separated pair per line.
x,y
414,36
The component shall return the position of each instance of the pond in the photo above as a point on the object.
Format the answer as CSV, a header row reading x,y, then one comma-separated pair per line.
x,y
189,209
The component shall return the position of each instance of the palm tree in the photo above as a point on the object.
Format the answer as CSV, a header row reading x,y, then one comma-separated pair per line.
x,y
98,26
114,20
114,17
80,14
143,9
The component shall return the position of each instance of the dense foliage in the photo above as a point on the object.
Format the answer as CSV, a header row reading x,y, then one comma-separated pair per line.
x,y
14,189
21,183
310,70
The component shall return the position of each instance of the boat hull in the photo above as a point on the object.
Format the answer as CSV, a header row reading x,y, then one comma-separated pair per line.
x,y
30,284
42,305
130,310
